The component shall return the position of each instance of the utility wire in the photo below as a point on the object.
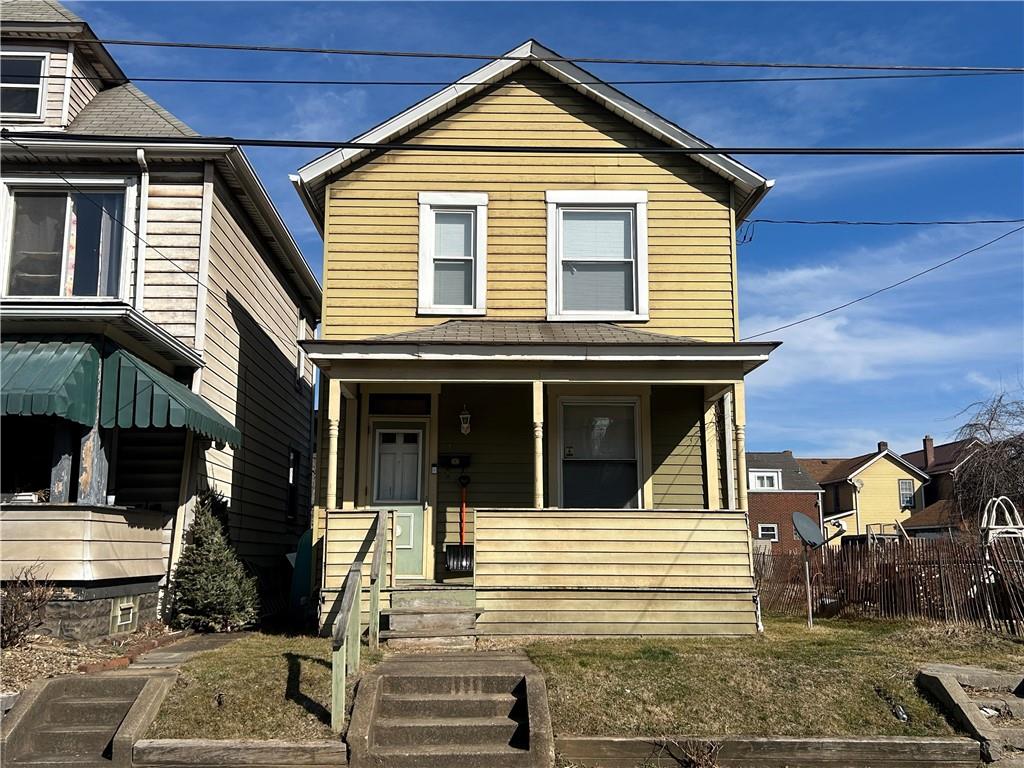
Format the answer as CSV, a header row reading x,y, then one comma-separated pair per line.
x,y
584,59
507,149
884,223
130,231
886,288
692,81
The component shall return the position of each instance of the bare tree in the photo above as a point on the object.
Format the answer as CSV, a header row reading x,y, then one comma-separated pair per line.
x,y
994,451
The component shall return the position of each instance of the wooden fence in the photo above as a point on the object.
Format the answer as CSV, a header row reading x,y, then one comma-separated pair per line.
x,y
929,579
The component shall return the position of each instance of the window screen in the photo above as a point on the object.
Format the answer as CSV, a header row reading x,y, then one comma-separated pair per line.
x,y
599,456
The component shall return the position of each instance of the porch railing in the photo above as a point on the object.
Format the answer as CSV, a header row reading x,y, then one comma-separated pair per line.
x,y
347,632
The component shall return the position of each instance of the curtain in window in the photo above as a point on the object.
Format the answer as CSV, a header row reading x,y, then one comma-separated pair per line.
x,y
37,244
597,261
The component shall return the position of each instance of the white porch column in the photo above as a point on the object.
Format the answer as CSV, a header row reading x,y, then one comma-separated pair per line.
x,y
741,444
731,500
333,414
712,453
538,444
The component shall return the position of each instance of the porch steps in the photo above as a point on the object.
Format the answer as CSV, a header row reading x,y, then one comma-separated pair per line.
x,y
73,722
451,711
430,615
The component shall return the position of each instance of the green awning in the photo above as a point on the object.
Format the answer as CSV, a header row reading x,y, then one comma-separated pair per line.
x,y
135,394
49,378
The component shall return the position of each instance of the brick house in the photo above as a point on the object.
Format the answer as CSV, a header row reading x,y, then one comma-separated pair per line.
x,y
778,487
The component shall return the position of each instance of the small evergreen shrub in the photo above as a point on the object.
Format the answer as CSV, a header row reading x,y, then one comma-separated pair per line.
x,y
211,592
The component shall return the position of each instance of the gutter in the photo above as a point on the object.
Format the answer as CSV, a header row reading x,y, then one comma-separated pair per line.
x,y
308,203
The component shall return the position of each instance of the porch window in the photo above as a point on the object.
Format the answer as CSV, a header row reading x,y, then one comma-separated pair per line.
x,y
21,85
597,255
600,455
453,253
765,479
906,494
767,532
65,242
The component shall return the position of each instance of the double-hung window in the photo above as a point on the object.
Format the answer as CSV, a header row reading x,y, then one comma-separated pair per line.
x,y
767,531
906,494
597,255
66,242
21,85
452,253
765,479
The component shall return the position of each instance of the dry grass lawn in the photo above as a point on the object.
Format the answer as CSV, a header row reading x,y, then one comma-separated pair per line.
x,y
841,679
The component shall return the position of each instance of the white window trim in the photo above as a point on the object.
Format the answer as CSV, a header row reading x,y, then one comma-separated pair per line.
x,y
762,529
636,199
429,202
85,183
913,493
754,473
637,439
44,72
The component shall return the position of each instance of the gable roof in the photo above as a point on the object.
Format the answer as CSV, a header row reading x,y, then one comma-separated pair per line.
x,y
312,178
794,476
38,11
947,457
829,471
124,110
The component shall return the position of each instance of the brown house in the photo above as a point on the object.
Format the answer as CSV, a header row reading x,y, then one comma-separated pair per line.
x,y
940,515
778,487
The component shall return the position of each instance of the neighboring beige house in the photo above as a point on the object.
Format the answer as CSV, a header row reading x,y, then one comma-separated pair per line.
x,y
561,329
872,492
152,301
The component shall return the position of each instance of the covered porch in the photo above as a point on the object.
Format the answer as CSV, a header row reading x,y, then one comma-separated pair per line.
x,y
562,452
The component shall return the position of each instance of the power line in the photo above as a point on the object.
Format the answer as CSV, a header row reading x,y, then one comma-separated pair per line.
x,y
439,83
886,288
885,223
129,230
570,59
515,149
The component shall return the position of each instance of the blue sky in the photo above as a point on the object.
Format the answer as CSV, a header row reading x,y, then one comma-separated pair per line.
x,y
892,368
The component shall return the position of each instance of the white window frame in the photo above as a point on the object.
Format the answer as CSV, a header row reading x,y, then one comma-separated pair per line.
x,y
558,200
763,528
44,72
913,493
753,474
637,438
430,202
12,184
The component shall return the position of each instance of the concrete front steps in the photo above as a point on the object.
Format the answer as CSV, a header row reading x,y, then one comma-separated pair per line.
x,y
452,711
429,615
71,722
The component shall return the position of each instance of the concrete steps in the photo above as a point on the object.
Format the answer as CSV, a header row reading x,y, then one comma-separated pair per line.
x,y
452,711
73,722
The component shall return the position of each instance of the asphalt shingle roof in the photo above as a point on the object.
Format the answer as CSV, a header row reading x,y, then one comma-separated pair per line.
x,y
940,514
794,477
124,110
539,332
40,11
947,456
826,471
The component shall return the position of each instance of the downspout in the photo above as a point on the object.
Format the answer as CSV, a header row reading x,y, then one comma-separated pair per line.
x,y
140,232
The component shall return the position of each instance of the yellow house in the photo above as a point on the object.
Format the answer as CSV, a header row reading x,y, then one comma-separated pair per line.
x,y
871,493
530,308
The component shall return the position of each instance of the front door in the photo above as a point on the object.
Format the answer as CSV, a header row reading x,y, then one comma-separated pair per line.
x,y
398,485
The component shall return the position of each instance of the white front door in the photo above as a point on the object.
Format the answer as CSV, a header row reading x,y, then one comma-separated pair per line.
x,y
398,485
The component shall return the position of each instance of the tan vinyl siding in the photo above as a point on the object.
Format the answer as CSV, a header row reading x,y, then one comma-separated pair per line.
x,y
250,377
371,249
82,88
81,543
586,572
676,449
348,538
53,90
173,232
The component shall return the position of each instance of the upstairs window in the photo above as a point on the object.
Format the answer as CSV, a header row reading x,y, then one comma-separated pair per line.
x,y
597,255
906,494
765,479
64,243
453,253
21,85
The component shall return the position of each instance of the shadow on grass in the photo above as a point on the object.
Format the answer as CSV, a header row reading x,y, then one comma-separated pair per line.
x,y
293,688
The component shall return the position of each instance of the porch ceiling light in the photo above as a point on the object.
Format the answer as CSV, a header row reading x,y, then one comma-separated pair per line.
x,y
464,418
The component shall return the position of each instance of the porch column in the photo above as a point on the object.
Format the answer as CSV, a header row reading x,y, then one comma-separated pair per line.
x,y
333,413
730,448
741,445
712,454
538,444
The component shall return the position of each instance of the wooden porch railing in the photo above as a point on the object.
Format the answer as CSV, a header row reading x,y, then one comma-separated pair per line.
x,y
347,632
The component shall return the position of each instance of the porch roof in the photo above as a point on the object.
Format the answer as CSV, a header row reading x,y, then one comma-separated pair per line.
x,y
50,379
457,348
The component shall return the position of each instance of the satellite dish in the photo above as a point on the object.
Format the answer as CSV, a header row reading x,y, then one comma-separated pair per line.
x,y
808,531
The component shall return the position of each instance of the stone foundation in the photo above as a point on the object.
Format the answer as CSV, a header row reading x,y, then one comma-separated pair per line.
x,y
91,613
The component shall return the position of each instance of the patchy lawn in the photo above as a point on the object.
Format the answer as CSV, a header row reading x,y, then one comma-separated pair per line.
x,y
841,679
260,687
